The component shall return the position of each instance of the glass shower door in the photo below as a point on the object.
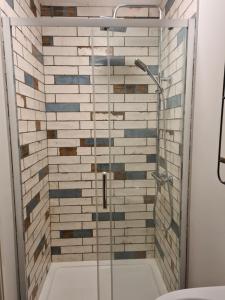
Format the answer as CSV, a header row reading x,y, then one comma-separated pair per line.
x,y
102,164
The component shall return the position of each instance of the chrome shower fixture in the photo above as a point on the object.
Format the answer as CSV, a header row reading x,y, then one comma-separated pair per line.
x,y
115,11
140,64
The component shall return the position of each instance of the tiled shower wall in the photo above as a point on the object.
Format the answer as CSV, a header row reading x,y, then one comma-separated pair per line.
x,y
70,123
173,64
30,96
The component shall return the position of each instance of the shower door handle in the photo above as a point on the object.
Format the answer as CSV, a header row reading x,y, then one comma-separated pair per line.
x,y
104,189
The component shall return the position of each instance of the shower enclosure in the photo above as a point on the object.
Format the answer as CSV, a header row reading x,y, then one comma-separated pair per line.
x,y
111,151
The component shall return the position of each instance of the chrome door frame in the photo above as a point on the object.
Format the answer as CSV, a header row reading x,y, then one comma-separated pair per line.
x,y
94,22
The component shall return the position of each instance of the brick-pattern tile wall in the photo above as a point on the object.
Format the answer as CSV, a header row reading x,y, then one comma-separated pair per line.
x,y
173,58
70,123
30,96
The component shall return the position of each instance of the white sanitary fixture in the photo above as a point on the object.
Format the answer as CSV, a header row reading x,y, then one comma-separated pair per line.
x,y
207,293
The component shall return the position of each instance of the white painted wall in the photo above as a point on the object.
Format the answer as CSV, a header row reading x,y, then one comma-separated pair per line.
x,y
207,211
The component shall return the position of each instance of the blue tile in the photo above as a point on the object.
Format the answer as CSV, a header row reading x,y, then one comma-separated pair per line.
x,y
32,204
154,69
140,133
161,253
173,102
168,6
64,107
72,79
135,175
151,158
175,229
78,233
115,167
115,216
150,223
102,60
100,142
37,54
130,255
65,193
29,80
181,36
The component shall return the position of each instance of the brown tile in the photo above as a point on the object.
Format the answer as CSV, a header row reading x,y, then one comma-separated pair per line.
x,y
52,134
34,292
46,11
150,199
92,168
38,125
47,214
119,88
47,40
71,11
24,100
27,223
68,151
141,89
33,8
119,175
24,151
35,83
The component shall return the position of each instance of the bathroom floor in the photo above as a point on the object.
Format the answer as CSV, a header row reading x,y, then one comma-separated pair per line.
x,y
134,279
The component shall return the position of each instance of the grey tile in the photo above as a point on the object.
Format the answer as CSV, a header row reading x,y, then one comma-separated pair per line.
x,y
151,158
140,133
159,248
181,36
162,162
115,216
130,255
65,193
102,60
72,79
100,142
135,175
32,204
62,107
154,69
43,172
42,244
174,101
55,250
78,233
150,223
176,229
168,6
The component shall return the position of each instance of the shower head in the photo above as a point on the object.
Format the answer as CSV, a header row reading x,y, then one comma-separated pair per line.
x,y
141,65
145,68
113,28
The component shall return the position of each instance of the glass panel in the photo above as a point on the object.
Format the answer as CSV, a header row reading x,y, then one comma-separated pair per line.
x,y
101,71
147,100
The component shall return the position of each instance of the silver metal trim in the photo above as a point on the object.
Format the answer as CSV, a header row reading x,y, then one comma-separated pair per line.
x,y
96,22
14,138
186,150
115,11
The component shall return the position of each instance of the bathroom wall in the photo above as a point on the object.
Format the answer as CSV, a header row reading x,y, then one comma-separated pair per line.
x,y
28,61
173,63
70,124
